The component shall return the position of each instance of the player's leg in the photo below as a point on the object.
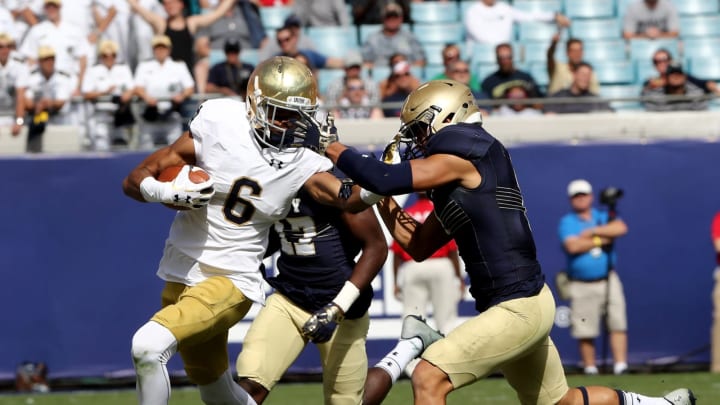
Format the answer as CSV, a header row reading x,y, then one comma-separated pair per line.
x,y
271,345
345,364
617,323
596,395
415,337
444,294
587,302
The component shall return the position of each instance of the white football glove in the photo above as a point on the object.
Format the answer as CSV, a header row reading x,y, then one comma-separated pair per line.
x,y
181,192
391,153
317,136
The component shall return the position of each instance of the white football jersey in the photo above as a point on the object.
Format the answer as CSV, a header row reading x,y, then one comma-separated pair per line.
x,y
254,188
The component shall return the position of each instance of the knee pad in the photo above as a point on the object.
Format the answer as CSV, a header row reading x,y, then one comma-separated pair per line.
x,y
152,344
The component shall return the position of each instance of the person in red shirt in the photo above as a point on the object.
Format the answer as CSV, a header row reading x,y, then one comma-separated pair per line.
x,y
715,234
437,280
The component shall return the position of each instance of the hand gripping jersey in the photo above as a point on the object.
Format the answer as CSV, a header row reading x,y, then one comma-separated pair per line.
x,y
254,188
489,222
318,255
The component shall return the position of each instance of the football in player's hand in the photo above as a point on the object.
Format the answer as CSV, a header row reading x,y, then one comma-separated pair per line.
x,y
196,175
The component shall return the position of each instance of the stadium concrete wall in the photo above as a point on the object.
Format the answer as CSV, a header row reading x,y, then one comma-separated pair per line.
x,y
79,259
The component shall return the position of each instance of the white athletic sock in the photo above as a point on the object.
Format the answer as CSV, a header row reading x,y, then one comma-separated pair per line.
x,y
632,398
620,368
224,391
152,347
397,359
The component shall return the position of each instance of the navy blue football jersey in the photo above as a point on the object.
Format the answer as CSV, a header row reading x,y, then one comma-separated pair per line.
x,y
489,223
317,256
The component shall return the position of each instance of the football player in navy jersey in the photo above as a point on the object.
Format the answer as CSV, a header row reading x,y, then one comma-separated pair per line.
x,y
471,180
318,245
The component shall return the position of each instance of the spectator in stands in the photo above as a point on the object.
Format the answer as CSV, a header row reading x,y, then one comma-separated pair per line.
x,y
450,54
595,288
561,74
579,88
459,70
390,39
321,13
517,93
236,25
288,43
47,97
112,18
496,84
25,13
230,77
397,87
353,69
7,23
372,11
661,60
491,22
13,79
67,41
651,19
109,87
355,102
142,32
180,29
164,85
676,84
272,48
715,340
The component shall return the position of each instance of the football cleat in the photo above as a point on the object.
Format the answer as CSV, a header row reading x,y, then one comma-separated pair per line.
x,y
681,396
415,327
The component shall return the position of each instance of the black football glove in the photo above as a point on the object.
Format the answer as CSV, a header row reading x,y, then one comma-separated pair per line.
x,y
316,136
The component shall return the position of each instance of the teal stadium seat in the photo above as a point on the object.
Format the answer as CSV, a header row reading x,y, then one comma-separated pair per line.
x,y
537,52
532,6
251,56
604,50
692,7
439,33
705,68
485,53
483,70
641,49
334,40
538,32
622,91
576,9
615,72
431,71
327,76
216,56
538,70
433,12
274,17
701,47
380,73
602,28
700,26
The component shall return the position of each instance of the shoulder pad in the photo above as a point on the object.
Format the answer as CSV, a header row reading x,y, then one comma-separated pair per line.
x,y
468,141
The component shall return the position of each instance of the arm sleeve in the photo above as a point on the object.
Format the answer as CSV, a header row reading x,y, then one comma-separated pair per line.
x,y
376,176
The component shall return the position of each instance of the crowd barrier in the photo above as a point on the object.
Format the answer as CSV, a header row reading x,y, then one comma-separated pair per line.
x,y
79,258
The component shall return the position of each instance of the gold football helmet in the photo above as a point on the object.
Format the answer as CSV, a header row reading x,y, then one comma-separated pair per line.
x,y
431,107
280,91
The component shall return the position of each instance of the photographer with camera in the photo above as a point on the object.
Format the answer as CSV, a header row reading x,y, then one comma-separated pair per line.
x,y
594,289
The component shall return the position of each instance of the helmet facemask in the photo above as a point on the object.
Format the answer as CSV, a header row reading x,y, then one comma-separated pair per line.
x,y
416,133
274,120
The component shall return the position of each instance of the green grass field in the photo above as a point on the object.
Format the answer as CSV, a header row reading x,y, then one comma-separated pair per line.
x,y
493,391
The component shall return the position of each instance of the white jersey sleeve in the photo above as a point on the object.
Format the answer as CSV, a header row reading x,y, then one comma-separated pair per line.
x,y
254,188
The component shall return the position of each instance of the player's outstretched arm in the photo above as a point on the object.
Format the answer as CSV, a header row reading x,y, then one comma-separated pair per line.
x,y
419,240
181,152
325,188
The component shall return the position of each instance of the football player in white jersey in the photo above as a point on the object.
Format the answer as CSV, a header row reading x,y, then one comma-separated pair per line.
x,y
214,250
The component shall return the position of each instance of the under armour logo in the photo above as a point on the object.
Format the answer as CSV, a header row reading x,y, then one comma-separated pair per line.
x,y
296,205
277,163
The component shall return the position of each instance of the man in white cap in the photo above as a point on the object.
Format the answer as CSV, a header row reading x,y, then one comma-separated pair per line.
x,y
47,96
108,86
595,289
